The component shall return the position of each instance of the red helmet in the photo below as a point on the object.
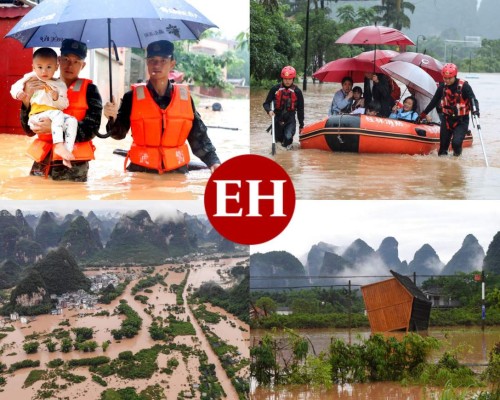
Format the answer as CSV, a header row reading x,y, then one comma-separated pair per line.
x,y
449,70
288,72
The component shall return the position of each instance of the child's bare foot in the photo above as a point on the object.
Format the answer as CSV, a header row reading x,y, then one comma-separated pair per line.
x,y
64,153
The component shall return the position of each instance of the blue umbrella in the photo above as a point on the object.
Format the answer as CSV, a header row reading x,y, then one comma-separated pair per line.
x,y
103,23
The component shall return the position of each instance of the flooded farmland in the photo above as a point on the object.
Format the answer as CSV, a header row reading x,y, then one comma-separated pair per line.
x,y
162,303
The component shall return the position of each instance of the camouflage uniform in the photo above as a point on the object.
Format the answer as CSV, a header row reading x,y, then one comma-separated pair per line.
x,y
87,129
198,139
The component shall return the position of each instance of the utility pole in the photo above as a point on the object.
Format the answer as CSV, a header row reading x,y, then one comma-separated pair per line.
x,y
483,303
304,84
350,311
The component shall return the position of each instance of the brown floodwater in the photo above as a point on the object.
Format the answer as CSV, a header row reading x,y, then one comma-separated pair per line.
x,y
472,346
320,175
107,179
185,372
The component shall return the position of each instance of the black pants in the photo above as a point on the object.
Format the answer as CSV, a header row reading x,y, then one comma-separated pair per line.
x,y
452,133
284,131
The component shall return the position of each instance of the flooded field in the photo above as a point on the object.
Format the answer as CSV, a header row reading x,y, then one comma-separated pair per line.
x,y
471,345
161,302
107,179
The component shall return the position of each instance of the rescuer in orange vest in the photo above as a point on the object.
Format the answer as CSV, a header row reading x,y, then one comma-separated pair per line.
x,y
457,100
162,118
85,105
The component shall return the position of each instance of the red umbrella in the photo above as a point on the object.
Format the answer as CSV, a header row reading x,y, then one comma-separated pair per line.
x,y
429,64
334,71
381,57
375,35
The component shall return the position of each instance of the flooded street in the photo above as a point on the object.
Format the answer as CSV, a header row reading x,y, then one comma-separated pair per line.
x,y
107,179
159,300
320,175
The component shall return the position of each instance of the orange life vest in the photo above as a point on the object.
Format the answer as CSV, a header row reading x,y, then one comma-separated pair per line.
x,y
159,136
83,151
286,98
453,103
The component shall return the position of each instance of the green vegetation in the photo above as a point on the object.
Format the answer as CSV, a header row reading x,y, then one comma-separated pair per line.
x,y
35,376
72,377
109,293
66,345
31,347
148,282
234,300
99,380
83,334
153,392
86,346
55,363
201,313
209,385
179,289
24,364
60,272
51,346
141,298
91,362
179,328
285,359
131,325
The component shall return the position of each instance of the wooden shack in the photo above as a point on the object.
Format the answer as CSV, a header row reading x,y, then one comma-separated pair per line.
x,y
396,304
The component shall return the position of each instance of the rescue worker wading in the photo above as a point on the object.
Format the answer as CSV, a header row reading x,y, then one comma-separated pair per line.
x,y
457,100
162,118
84,104
288,101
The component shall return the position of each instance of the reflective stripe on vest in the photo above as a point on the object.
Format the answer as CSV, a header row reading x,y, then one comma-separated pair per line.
x,y
83,151
286,98
159,136
453,103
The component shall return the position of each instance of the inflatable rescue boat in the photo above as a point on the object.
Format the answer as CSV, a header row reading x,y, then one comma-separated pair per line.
x,y
370,134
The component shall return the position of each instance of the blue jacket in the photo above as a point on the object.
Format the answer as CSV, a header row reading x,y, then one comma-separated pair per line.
x,y
402,114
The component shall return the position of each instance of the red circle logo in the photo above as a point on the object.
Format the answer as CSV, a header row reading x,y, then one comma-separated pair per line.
x,y
249,199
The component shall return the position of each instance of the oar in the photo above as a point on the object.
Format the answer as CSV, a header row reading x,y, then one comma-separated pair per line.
x,y
474,117
273,147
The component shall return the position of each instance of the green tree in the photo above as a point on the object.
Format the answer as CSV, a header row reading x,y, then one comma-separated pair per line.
x,y
66,345
51,346
267,304
31,347
275,40
305,306
392,13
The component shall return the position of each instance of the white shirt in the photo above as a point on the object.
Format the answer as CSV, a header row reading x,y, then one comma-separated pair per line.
x,y
42,97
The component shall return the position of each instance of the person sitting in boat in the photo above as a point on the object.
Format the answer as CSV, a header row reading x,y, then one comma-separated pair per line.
x,y
378,88
343,99
457,100
422,102
289,101
407,112
358,102
373,109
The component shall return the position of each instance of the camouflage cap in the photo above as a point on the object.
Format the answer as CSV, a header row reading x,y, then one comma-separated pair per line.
x,y
160,48
71,46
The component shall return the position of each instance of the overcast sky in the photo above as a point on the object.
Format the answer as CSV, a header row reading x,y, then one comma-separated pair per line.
x,y
231,16
442,224
154,207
